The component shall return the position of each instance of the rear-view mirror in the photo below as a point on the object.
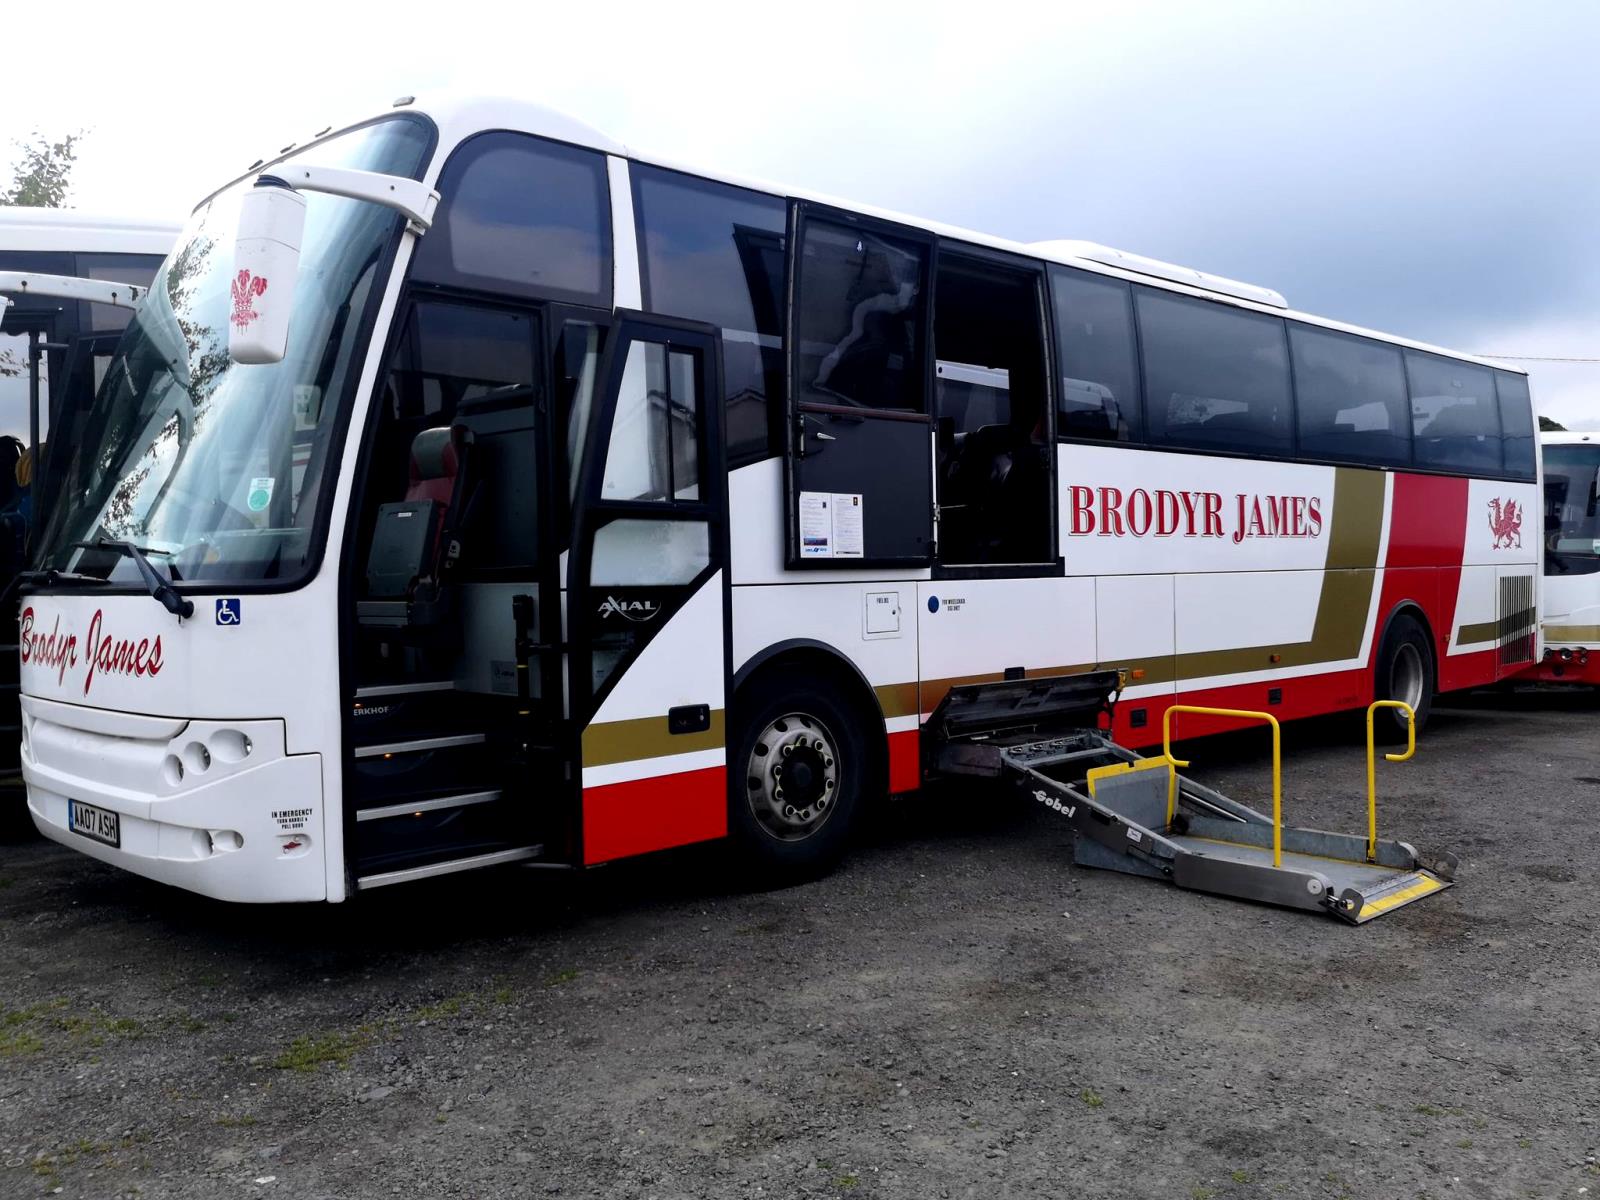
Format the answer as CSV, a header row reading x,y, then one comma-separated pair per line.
x,y
266,260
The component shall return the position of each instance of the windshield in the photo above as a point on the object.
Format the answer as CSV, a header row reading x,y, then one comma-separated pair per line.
x,y
1571,518
213,468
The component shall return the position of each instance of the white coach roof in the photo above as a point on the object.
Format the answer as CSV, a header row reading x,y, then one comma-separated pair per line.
x,y
68,230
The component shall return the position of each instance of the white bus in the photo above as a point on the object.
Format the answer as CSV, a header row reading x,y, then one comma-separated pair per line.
x,y
52,346
471,490
1571,608
42,330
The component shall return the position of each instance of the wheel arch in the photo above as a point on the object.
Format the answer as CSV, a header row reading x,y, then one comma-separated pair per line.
x,y
819,658
1407,608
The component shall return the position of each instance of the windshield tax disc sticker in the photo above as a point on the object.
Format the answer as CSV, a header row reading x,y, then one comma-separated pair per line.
x,y
260,494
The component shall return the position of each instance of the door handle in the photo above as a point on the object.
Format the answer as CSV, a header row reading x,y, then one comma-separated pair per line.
x,y
689,718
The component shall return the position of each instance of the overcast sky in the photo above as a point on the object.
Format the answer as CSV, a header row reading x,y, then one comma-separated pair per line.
x,y
1426,169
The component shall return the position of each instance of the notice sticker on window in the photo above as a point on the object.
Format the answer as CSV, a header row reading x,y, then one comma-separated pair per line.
x,y
307,406
848,538
816,525
260,493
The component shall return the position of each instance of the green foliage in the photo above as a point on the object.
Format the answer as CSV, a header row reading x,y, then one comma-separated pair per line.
x,y
1548,425
306,1053
43,171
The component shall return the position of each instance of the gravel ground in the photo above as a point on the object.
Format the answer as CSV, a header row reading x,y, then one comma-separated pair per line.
x,y
956,1012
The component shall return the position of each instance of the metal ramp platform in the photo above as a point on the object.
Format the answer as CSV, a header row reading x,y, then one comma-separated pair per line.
x,y
1140,816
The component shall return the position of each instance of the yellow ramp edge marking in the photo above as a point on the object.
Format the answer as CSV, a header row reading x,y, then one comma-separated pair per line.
x,y
1094,774
1425,886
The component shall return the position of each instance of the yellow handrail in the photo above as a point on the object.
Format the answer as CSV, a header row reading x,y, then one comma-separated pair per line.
x,y
1372,765
1277,764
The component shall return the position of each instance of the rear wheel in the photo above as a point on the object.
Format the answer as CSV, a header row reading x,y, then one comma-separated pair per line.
x,y
1405,672
798,769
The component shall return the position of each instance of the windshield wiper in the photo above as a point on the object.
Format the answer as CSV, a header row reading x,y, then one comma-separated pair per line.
x,y
49,577
158,585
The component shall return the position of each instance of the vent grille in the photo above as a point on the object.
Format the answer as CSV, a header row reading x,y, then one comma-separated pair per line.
x,y
1516,620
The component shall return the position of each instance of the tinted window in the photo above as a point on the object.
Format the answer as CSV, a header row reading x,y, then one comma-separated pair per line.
x,y
1516,423
1214,377
1454,414
654,450
861,319
716,254
1096,363
1350,397
1572,509
117,268
521,215
51,318
462,365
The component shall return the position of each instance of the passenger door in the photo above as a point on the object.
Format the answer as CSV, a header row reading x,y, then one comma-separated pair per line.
x,y
89,357
648,596
859,472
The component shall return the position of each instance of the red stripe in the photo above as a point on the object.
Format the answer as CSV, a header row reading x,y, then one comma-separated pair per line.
x,y
656,813
905,761
1554,670
1303,696
1427,542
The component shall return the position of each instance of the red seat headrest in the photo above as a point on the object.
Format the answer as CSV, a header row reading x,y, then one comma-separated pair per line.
x,y
436,461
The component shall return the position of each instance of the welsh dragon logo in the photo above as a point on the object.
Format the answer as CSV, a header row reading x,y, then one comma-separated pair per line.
x,y
1505,523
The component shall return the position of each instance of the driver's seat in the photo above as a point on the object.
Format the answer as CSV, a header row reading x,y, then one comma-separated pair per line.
x,y
416,541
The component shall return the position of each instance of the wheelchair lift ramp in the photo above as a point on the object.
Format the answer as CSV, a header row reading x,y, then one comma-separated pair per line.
x,y
1381,889
1215,844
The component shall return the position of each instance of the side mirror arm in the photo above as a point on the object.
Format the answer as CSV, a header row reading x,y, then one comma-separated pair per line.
x,y
415,201
266,251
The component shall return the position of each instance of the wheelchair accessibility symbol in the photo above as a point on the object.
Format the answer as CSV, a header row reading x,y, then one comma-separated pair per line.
x,y
228,612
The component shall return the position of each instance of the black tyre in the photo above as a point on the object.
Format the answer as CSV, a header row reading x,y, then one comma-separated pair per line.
x,y
1405,671
799,765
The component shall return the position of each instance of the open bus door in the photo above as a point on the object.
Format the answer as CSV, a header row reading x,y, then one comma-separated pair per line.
x,y
87,357
29,359
648,596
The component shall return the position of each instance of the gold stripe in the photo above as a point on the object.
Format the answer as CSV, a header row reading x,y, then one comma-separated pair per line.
x,y
897,699
1425,886
935,690
1572,633
1354,532
1478,632
646,737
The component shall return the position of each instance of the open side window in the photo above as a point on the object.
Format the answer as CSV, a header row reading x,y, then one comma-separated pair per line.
x,y
859,461
995,443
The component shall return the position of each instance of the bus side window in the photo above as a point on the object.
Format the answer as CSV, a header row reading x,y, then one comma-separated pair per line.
x,y
1096,364
861,320
1216,378
654,451
1350,394
138,269
995,449
521,216
1454,414
715,253
1516,422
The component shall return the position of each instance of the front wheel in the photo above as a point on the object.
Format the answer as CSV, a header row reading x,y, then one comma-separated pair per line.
x,y
1404,672
798,770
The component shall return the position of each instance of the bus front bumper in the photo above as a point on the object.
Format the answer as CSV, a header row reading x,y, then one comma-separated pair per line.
x,y
217,808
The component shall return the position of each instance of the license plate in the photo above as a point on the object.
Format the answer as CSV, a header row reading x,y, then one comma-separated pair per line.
x,y
96,823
